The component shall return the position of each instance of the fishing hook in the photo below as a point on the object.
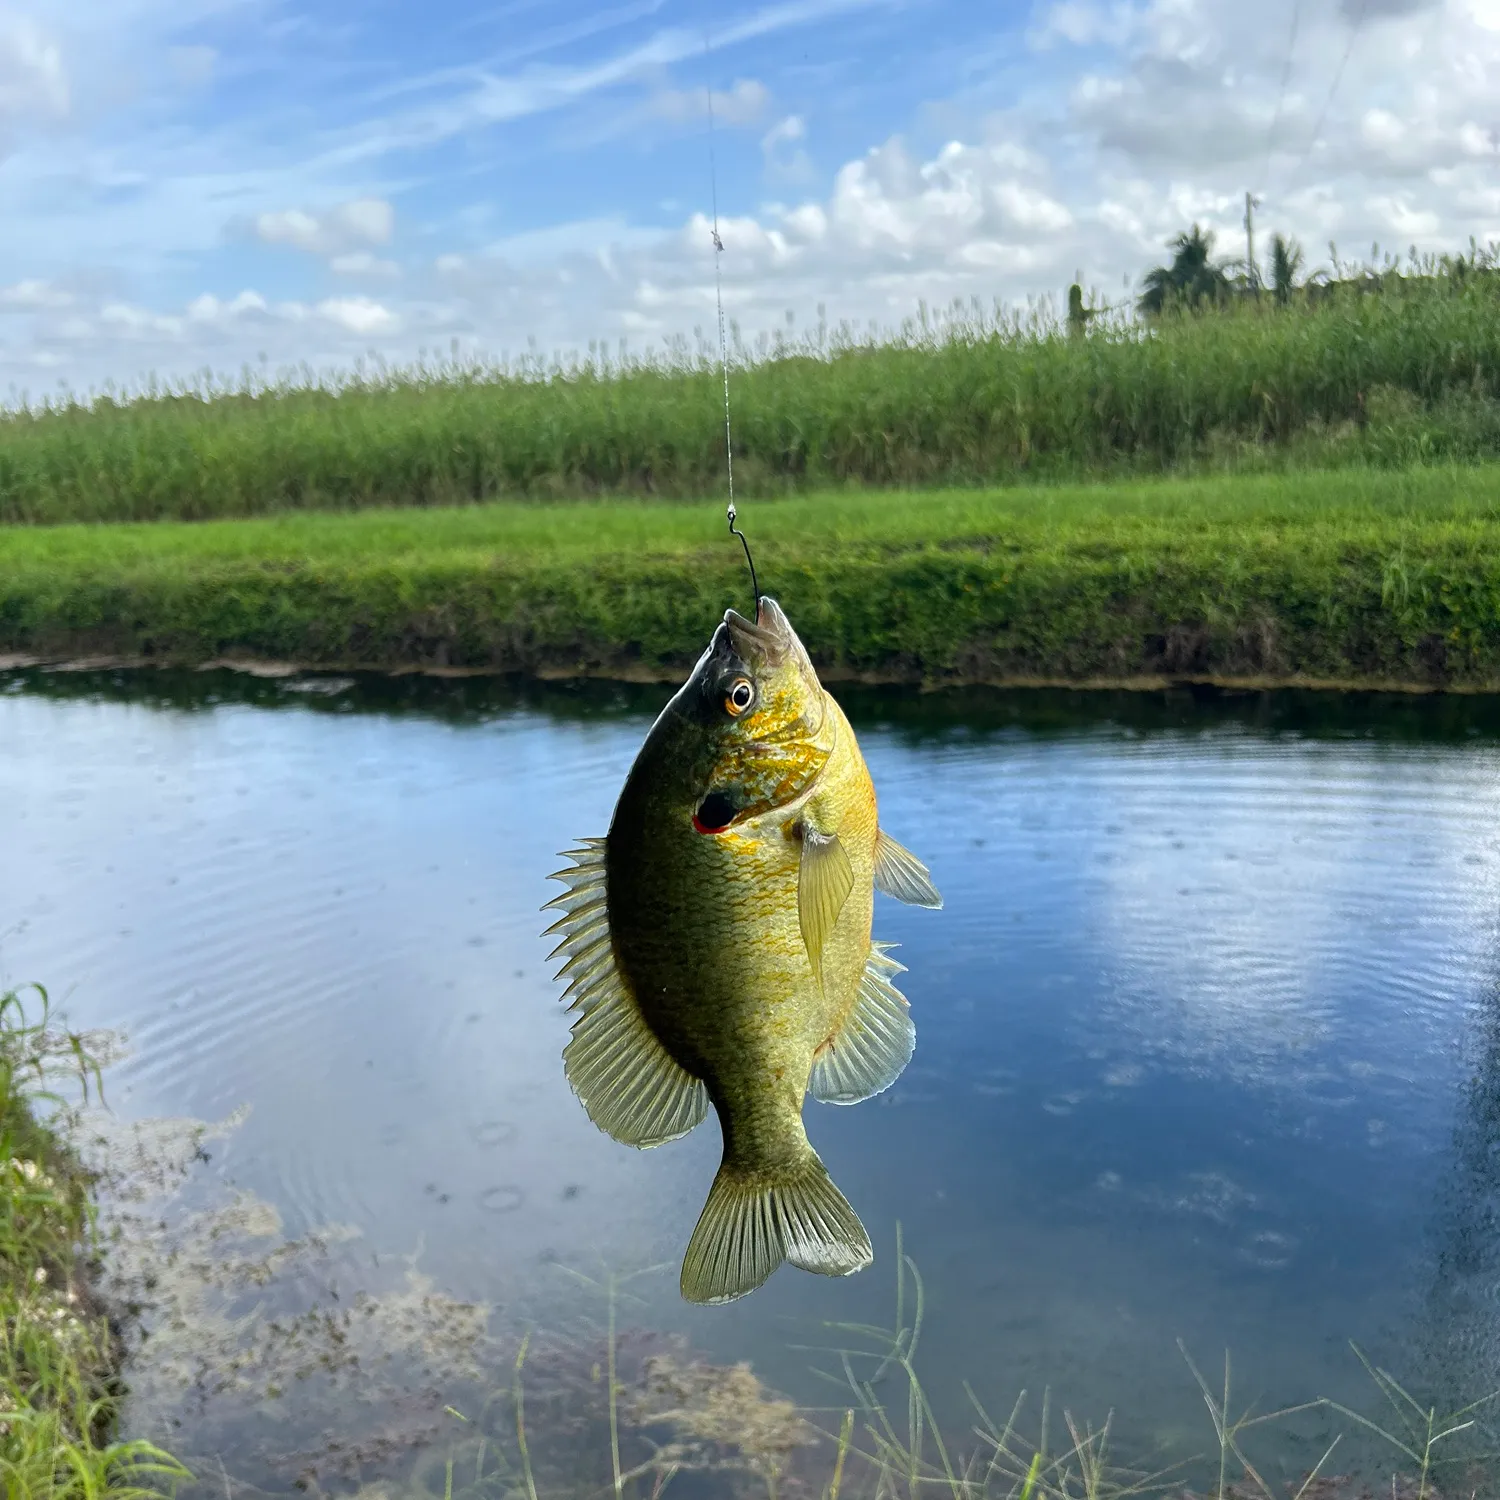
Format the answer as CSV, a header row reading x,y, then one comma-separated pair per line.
x,y
754,585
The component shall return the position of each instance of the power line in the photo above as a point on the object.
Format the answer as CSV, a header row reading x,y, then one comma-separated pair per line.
x,y
1333,88
1286,74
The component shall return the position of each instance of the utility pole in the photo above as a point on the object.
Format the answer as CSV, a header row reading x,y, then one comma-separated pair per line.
x,y
1252,271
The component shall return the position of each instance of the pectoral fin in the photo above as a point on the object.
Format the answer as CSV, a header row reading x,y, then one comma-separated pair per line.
x,y
899,873
823,886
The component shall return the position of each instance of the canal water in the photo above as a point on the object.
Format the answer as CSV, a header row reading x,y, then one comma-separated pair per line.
x,y
1208,1049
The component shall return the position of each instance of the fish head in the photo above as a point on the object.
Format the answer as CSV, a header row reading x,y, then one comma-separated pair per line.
x,y
765,717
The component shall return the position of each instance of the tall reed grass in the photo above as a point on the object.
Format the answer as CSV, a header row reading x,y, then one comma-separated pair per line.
x,y
1408,371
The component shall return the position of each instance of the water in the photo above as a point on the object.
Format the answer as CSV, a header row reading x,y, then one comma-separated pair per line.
x,y
1208,1032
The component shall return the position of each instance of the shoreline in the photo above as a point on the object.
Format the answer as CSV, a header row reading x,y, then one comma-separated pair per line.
x,y
62,1378
637,673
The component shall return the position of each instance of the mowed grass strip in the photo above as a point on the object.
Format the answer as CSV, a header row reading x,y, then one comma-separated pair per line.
x,y
1352,576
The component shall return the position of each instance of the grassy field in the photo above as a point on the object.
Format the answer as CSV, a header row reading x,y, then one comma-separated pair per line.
x,y
966,398
1350,576
58,1356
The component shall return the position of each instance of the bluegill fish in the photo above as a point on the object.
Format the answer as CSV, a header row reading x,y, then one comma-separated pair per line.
x,y
718,950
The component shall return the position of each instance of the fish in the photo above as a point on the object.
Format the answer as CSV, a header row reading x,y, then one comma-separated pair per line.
x,y
717,946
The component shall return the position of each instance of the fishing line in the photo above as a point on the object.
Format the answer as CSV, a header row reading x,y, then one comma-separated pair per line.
x,y
713,175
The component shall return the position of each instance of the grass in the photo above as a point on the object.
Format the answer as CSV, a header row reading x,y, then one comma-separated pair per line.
x,y
1343,576
969,397
58,1355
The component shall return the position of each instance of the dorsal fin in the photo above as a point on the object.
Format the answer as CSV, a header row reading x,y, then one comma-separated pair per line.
x,y
622,1075
867,1053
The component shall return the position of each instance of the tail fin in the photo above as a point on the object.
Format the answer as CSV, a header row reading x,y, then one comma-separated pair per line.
x,y
755,1220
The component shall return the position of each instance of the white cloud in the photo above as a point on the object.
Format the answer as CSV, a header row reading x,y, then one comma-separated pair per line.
x,y
357,314
33,80
130,322
743,104
785,132
1479,140
1026,208
362,221
34,294
1404,221
209,309
1081,24
967,196
362,263
784,153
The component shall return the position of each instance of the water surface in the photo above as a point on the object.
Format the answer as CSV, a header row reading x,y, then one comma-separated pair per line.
x,y
1208,1031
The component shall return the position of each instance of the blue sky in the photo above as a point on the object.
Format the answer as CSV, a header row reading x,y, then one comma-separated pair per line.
x,y
200,183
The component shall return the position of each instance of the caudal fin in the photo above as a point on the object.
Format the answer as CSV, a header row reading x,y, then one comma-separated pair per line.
x,y
753,1221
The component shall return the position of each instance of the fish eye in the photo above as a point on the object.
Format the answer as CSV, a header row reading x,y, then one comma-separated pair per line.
x,y
740,696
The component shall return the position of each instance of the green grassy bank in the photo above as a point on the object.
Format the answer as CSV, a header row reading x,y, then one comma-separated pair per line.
x,y
1374,378
58,1355
1335,577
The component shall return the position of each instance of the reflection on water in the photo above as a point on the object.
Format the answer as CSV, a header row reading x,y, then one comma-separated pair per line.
x,y
1208,1033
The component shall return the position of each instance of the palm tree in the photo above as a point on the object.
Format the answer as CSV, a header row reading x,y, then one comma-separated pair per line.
x,y
1286,264
1079,316
1193,277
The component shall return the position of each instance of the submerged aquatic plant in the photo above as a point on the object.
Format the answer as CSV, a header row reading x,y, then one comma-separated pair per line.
x,y
602,1409
888,1450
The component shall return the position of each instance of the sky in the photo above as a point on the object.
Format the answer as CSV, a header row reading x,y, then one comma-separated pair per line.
x,y
222,185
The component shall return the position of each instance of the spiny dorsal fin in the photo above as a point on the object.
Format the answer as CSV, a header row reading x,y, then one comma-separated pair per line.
x,y
899,873
867,1053
823,885
622,1075
754,1221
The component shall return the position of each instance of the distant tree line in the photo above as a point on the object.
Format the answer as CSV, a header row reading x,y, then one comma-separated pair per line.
x,y
1196,280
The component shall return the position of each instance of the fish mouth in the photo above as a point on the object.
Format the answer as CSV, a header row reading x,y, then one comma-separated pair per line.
x,y
768,640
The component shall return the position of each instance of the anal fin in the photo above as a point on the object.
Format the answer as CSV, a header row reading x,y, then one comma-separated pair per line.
x,y
626,1080
867,1054
899,873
